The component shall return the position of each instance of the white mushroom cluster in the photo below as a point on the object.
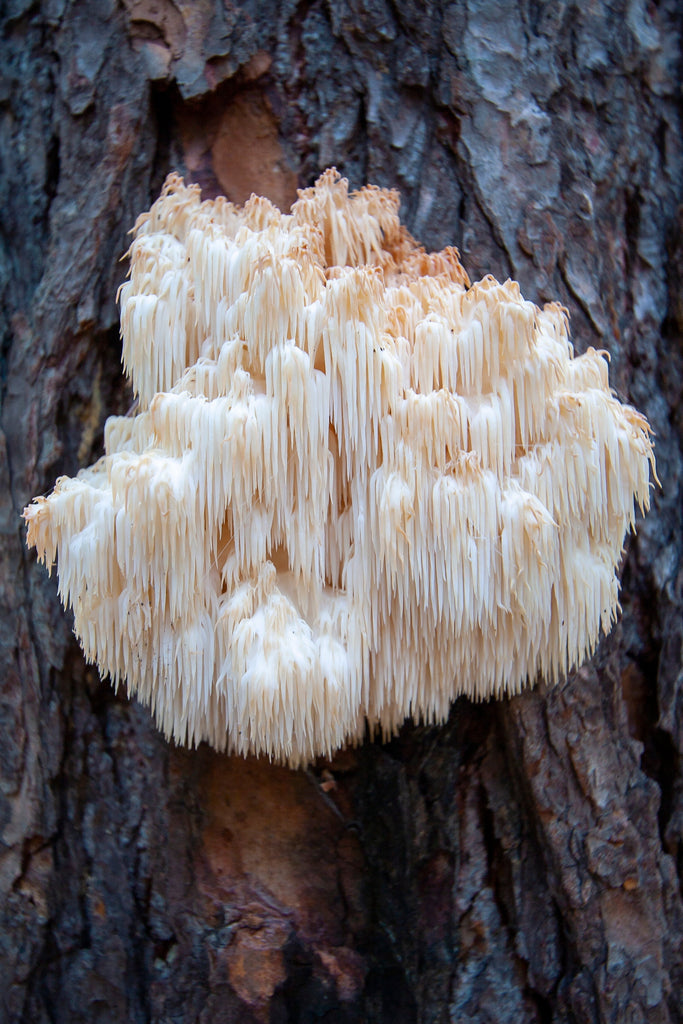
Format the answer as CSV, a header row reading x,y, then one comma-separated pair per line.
x,y
355,486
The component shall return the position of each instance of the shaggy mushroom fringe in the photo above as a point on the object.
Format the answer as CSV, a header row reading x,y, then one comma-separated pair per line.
x,y
356,486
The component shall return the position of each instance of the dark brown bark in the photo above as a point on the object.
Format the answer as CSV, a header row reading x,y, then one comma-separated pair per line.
x,y
521,863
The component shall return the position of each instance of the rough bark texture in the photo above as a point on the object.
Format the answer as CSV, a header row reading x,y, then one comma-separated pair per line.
x,y
523,862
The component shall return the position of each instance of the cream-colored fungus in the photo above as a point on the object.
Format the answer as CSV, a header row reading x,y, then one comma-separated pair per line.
x,y
355,487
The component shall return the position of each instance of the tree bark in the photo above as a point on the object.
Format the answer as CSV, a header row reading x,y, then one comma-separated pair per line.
x,y
520,863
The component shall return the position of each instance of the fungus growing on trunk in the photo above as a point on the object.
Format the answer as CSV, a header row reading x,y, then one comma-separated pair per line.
x,y
356,486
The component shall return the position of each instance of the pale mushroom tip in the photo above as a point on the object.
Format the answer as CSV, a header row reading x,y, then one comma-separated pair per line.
x,y
355,487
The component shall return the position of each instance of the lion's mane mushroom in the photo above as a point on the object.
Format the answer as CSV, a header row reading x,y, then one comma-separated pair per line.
x,y
355,488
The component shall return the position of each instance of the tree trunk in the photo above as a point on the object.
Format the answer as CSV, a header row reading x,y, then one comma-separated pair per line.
x,y
520,863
